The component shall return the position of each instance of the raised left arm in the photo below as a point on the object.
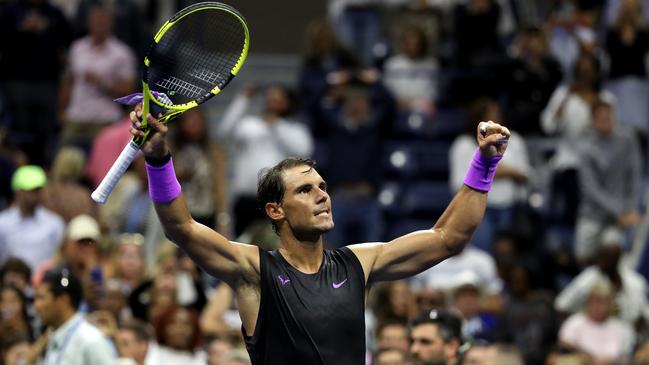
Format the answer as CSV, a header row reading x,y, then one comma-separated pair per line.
x,y
415,252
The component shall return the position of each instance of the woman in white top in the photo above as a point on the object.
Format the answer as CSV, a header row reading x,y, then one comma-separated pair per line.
x,y
568,117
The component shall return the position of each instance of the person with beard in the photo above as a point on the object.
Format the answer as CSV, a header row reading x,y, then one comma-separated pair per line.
x,y
436,337
302,303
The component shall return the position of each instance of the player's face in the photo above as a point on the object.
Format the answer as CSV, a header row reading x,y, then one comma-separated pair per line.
x,y
306,203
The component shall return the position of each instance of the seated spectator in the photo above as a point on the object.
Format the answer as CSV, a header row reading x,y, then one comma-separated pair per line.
x,y
15,272
65,186
29,231
466,294
436,337
217,348
179,336
128,260
389,356
393,335
609,182
135,341
597,331
15,323
629,287
471,260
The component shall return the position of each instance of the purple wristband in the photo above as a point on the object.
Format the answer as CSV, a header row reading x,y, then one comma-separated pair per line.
x,y
481,172
163,184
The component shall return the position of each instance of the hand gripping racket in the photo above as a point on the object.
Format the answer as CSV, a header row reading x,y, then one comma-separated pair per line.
x,y
194,55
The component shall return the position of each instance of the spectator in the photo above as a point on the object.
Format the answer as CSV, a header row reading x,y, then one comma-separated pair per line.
x,y
217,349
471,260
354,121
476,33
200,167
393,335
627,43
466,296
389,356
29,231
72,340
509,187
135,341
629,287
358,24
15,272
609,182
568,116
15,323
534,74
106,147
393,301
237,357
596,331
411,74
326,63
259,141
35,38
178,334
436,338
128,260
65,186
101,68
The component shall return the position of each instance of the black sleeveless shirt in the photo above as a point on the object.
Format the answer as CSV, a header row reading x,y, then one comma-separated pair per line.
x,y
310,319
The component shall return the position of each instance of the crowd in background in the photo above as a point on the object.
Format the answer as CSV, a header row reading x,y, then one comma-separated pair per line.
x,y
387,101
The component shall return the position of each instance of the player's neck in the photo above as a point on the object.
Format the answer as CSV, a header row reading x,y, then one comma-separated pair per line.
x,y
304,256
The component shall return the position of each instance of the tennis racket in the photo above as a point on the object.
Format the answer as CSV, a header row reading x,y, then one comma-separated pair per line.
x,y
194,55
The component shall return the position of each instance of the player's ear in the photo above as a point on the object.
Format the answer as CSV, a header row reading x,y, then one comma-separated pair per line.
x,y
274,211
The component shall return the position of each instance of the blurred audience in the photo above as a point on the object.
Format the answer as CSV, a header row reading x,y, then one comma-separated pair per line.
x,y
436,337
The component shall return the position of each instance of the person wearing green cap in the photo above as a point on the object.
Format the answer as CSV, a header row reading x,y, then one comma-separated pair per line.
x,y
28,230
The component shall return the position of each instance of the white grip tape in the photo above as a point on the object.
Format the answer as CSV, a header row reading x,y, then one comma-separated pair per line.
x,y
100,195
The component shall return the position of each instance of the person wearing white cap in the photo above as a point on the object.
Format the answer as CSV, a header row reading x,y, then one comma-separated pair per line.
x,y
29,231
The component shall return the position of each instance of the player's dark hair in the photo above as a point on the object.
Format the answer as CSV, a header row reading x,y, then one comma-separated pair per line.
x,y
270,186
63,282
448,324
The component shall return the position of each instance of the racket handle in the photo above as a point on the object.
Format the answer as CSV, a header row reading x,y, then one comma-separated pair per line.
x,y
100,195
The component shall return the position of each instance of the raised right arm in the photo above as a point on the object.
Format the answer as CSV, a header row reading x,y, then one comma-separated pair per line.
x,y
226,260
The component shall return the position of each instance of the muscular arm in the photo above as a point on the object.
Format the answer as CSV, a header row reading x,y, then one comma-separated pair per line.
x,y
418,251
229,261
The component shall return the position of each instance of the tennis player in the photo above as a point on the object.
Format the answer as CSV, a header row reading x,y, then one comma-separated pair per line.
x,y
302,304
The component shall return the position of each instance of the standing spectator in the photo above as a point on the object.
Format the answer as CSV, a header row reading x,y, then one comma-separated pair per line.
x,y
101,68
217,348
128,260
411,75
106,147
29,231
568,116
73,341
354,121
627,43
15,272
436,338
609,182
393,335
15,323
466,295
534,74
597,331
509,187
259,141
35,37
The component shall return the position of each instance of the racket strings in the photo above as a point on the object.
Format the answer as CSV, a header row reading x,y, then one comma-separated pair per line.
x,y
196,54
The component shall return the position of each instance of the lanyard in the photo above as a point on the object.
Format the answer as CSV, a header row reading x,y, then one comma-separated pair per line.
x,y
66,340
